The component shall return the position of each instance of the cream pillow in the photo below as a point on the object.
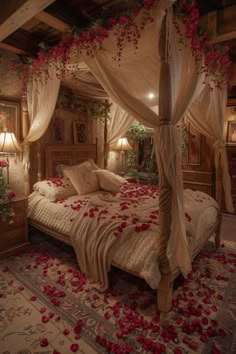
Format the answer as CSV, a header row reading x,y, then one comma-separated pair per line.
x,y
109,181
63,168
55,188
83,178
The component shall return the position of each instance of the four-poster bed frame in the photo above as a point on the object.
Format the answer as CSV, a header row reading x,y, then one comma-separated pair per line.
x,y
63,154
74,154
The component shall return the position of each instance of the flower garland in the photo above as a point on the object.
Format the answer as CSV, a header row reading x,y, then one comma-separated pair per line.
x,y
216,60
6,210
124,28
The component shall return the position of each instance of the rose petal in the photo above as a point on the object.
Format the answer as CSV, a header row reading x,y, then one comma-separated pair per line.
x,y
74,347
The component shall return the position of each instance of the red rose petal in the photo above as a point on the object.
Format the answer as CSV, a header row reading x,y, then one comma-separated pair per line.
x,y
74,347
45,319
44,342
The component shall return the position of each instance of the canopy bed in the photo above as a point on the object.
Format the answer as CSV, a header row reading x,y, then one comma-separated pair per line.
x,y
184,81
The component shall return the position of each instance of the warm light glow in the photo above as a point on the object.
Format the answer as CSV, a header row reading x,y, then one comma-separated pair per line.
x,y
151,95
9,144
122,145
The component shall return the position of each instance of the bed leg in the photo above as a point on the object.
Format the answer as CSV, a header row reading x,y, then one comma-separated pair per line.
x,y
218,231
164,298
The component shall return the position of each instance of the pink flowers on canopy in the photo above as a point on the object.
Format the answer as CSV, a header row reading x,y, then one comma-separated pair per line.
x,y
124,28
216,60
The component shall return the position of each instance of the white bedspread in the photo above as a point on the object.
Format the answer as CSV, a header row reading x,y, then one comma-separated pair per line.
x,y
121,228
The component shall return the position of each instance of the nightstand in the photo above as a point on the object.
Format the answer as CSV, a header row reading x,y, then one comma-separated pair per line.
x,y
130,179
14,237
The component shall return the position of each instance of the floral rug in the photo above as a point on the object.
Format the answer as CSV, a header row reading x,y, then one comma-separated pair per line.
x,y
46,306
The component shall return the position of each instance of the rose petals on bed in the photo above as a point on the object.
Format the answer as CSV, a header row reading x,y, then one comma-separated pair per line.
x,y
44,342
74,348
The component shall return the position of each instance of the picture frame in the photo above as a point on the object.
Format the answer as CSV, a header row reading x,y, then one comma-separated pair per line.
x,y
80,132
10,117
231,132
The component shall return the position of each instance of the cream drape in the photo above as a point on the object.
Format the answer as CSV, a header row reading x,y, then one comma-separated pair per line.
x,y
129,83
119,123
207,114
41,100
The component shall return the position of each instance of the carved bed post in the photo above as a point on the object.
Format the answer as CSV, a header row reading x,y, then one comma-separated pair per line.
x,y
24,132
105,152
165,288
219,190
39,160
219,184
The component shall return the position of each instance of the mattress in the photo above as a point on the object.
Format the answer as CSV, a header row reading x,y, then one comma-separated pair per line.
x,y
138,253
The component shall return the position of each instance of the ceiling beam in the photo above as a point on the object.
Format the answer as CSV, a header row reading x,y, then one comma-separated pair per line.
x,y
15,13
20,42
224,37
53,22
212,23
13,49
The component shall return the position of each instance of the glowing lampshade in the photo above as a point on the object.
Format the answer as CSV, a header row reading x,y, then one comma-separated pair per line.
x,y
122,145
9,144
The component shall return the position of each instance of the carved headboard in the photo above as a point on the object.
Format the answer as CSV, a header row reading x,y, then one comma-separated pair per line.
x,y
68,155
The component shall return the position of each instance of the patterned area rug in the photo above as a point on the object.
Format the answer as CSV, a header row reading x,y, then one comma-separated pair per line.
x,y
46,306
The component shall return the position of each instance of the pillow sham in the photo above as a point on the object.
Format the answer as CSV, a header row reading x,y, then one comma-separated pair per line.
x,y
55,188
83,178
109,181
61,167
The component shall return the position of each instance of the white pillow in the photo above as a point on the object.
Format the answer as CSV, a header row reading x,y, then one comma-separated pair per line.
x,y
109,181
60,168
55,188
83,178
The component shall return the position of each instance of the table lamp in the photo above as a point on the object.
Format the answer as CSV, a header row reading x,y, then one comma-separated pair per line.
x,y
9,146
122,145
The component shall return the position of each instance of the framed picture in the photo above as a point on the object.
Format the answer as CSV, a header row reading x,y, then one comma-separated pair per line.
x,y
231,132
10,117
80,132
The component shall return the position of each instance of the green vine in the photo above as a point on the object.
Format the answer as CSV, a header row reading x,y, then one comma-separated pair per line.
x,y
101,110
135,134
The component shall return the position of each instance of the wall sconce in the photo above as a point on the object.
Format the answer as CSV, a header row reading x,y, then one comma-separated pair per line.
x,y
9,146
122,145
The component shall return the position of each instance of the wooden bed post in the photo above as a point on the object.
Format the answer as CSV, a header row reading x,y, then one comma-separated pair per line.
x,y
219,199
39,159
165,288
219,185
105,149
24,132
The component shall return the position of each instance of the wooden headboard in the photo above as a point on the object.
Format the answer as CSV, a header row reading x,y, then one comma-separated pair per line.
x,y
68,155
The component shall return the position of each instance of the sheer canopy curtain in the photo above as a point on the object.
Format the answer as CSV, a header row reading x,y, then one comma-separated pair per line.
x,y
41,100
207,115
129,82
185,85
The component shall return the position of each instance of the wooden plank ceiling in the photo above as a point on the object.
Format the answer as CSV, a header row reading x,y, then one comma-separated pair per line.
x,y
24,24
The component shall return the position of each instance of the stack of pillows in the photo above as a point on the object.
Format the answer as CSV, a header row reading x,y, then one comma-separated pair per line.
x,y
80,179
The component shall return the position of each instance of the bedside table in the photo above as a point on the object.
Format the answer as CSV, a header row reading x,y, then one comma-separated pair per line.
x,y
130,179
14,237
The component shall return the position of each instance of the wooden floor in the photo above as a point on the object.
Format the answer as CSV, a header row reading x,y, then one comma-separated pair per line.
x,y
228,231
